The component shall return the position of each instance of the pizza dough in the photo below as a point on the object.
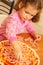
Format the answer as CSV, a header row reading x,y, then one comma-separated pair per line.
x,y
17,53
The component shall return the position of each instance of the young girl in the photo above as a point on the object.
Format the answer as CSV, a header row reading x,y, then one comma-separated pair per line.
x,y
26,11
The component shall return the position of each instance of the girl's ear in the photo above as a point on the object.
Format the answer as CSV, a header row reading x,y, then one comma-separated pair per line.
x,y
20,5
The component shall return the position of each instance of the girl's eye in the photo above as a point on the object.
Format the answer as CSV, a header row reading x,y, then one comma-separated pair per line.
x,y
28,13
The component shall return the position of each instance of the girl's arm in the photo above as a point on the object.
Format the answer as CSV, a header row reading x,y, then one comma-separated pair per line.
x,y
11,29
32,31
30,28
11,35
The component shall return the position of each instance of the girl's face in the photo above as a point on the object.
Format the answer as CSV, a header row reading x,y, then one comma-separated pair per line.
x,y
28,12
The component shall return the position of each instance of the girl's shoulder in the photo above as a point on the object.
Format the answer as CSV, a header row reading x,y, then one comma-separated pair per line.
x,y
14,13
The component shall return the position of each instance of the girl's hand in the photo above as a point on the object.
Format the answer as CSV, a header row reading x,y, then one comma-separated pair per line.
x,y
36,37
33,40
18,51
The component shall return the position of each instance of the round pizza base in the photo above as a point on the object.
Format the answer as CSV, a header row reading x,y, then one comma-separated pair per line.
x,y
25,54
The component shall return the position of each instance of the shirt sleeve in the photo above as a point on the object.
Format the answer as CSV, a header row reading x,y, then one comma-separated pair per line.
x,y
10,29
29,27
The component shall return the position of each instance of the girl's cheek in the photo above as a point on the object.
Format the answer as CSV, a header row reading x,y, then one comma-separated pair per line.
x,y
30,17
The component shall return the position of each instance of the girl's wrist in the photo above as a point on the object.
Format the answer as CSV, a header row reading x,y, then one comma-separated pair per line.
x,y
34,35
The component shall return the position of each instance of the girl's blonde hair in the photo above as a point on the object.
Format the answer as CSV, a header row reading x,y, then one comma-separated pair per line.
x,y
36,3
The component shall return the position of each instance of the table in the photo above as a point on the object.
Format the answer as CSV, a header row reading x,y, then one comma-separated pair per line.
x,y
40,45
24,36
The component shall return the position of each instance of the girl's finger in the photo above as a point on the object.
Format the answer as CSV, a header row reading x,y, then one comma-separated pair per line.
x,y
39,37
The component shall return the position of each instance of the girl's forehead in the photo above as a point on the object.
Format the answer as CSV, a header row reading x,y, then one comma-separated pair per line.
x,y
31,9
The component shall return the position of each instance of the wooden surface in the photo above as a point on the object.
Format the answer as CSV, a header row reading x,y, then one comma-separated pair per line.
x,y
39,45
